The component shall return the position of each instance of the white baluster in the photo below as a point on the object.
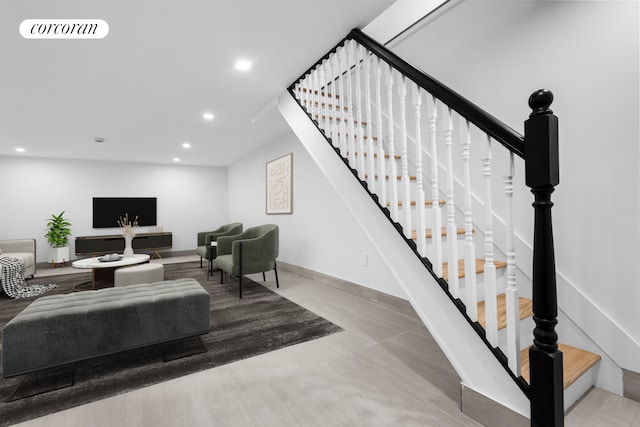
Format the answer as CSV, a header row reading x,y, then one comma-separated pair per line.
x,y
366,58
309,87
452,230
342,129
406,183
393,181
309,95
316,91
331,103
471,290
326,78
351,137
381,153
491,294
327,99
325,103
358,126
321,104
436,233
420,209
512,297
304,93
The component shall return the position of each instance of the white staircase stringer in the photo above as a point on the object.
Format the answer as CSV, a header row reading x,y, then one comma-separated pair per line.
x,y
473,361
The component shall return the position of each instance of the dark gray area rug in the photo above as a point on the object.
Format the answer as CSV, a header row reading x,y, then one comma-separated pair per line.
x,y
260,322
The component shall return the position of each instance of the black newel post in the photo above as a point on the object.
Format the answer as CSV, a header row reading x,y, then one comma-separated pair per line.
x,y
541,165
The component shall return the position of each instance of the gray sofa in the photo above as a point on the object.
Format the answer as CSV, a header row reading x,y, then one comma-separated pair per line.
x,y
59,329
24,249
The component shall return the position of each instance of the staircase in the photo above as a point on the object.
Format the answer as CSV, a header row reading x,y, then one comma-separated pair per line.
x,y
366,109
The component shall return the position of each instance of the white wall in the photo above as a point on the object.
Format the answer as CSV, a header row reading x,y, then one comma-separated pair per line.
x,y
320,235
497,53
190,199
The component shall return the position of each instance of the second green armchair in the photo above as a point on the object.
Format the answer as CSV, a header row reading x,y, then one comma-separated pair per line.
x,y
205,250
253,251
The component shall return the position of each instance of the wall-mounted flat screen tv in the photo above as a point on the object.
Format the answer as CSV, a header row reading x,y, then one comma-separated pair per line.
x,y
108,210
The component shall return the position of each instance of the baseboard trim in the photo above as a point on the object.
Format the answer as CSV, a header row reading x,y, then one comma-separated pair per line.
x,y
389,301
488,412
631,385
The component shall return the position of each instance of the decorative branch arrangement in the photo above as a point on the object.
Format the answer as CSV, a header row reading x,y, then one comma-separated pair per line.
x,y
128,228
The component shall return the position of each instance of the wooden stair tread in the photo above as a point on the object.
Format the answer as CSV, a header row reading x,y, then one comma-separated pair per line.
x,y
375,155
323,105
526,310
479,267
413,203
375,138
429,233
315,92
575,360
324,117
399,177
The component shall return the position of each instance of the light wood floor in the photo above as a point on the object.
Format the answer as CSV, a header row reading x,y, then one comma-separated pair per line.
x,y
383,370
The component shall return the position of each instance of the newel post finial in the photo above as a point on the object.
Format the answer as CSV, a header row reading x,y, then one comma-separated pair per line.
x,y
539,102
542,175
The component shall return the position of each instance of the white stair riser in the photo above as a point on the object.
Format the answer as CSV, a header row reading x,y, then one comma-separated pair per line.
x,y
526,335
500,286
576,390
459,242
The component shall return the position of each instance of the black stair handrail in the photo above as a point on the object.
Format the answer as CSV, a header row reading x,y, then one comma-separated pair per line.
x,y
498,130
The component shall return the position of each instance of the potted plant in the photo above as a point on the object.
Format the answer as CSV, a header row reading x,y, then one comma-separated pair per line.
x,y
58,232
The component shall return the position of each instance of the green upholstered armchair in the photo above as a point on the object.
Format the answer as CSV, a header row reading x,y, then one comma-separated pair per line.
x,y
205,238
253,251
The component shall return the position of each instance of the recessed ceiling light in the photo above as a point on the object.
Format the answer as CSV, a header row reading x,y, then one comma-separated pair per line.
x,y
208,116
176,159
186,145
243,65
20,150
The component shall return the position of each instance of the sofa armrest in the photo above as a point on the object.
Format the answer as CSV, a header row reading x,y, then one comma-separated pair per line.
x,y
19,245
225,243
202,237
213,237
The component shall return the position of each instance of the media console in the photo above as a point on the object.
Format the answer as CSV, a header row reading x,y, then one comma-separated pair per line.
x,y
99,245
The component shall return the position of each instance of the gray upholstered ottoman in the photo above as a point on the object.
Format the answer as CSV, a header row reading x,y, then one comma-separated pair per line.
x,y
59,329
141,273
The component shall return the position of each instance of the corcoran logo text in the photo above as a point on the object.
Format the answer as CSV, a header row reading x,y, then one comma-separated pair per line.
x,y
64,29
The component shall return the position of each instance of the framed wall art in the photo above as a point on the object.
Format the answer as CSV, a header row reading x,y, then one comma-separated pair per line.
x,y
279,178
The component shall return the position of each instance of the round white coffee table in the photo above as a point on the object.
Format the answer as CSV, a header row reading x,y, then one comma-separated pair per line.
x,y
103,270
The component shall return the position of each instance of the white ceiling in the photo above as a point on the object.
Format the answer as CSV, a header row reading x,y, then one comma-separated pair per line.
x,y
164,63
